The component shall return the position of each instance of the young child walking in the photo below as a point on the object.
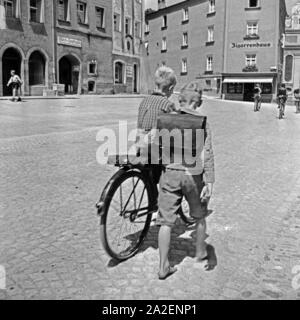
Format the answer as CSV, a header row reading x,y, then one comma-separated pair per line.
x,y
15,82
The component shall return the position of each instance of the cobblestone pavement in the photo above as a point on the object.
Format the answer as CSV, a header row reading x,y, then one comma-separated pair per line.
x,y
50,181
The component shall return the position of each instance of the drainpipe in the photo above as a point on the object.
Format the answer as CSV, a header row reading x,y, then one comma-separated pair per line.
x,y
54,39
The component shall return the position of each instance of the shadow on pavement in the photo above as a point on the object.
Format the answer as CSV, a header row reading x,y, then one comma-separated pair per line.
x,y
182,245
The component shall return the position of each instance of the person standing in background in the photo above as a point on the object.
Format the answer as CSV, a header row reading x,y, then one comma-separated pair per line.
x,y
15,81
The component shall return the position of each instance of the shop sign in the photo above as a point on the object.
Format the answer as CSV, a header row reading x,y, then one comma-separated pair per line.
x,y
129,71
69,42
242,45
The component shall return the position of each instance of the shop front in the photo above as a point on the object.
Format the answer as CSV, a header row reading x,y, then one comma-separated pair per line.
x,y
242,88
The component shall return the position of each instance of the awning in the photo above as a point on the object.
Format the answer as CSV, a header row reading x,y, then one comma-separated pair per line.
x,y
248,80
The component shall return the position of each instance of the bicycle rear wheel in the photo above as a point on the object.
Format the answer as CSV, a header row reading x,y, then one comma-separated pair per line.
x,y
127,207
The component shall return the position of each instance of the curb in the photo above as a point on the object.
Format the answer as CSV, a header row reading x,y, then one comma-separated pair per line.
x,y
121,96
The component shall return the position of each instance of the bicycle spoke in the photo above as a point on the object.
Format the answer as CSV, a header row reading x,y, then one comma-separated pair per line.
x,y
130,196
127,216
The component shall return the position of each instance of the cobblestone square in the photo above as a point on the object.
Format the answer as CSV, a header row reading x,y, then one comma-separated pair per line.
x,y
50,181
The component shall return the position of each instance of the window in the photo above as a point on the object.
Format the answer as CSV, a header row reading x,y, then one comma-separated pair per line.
x,y
137,29
117,24
128,45
92,67
266,88
209,63
235,88
82,12
185,14
208,83
10,8
91,86
250,60
164,44
147,47
164,22
185,39
252,28
100,18
128,26
147,27
118,72
63,10
184,66
36,11
253,3
210,34
211,6
289,61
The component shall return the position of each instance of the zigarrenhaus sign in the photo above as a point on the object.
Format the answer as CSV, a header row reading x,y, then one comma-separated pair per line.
x,y
241,45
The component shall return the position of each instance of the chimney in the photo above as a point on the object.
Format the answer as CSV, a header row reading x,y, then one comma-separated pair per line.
x,y
161,4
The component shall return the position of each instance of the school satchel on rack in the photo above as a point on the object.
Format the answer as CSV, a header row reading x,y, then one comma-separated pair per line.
x,y
180,138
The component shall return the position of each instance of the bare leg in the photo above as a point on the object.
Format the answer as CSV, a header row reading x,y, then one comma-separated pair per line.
x,y
14,94
19,94
201,236
164,239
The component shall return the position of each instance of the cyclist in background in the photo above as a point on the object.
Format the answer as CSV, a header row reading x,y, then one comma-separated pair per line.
x,y
282,94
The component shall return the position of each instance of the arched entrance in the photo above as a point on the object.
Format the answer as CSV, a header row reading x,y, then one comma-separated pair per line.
x,y
37,64
69,70
11,60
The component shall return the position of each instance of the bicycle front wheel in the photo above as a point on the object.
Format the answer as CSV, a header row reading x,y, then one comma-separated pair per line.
x,y
128,205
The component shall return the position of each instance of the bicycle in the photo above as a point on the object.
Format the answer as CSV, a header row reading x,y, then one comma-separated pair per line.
x,y
135,216
281,106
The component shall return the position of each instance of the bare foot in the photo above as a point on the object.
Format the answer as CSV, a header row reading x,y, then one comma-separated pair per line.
x,y
167,273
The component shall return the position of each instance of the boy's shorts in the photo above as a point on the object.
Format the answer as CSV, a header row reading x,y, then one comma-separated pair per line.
x,y
173,185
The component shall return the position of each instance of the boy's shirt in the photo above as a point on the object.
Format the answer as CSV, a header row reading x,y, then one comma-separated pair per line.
x,y
150,108
14,79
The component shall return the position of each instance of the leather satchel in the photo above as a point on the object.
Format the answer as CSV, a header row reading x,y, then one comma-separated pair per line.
x,y
187,139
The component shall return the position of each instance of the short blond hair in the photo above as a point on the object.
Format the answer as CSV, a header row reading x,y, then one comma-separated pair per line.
x,y
165,77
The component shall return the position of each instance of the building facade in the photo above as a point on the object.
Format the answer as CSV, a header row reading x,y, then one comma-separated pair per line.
x,y
128,20
75,43
26,44
84,46
226,45
291,45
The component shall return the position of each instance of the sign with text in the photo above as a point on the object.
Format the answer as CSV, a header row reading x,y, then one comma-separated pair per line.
x,y
69,42
247,45
129,71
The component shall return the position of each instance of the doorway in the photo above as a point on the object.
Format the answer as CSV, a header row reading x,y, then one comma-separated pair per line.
x,y
36,69
11,60
248,91
69,68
